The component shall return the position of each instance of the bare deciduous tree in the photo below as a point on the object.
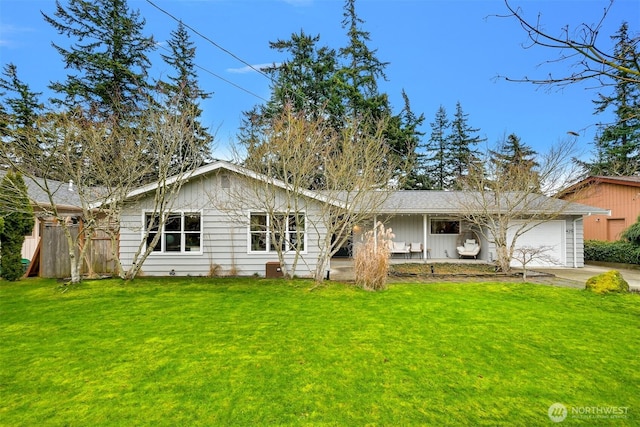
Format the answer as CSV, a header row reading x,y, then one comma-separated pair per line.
x,y
581,47
525,255
70,147
168,138
503,204
301,159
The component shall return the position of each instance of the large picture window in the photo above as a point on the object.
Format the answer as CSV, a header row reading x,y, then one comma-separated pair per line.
x,y
288,232
445,226
182,232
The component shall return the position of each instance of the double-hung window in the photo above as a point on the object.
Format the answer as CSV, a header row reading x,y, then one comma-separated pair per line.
x,y
181,232
266,232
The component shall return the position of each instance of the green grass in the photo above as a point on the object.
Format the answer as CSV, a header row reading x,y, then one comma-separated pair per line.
x,y
259,352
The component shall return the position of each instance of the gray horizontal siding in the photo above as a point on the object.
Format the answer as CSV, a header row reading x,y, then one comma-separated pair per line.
x,y
225,237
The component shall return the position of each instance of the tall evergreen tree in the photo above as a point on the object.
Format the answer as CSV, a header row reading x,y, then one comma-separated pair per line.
x,y
407,125
25,106
436,160
184,89
108,56
617,145
308,80
516,164
17,213
341,88
20,112
305,83
463,140
361,69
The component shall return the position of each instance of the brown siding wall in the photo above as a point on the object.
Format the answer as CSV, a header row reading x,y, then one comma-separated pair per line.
x,y
624,203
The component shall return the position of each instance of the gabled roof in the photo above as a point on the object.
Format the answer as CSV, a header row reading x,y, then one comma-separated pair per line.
x,y
397,202
224,165
629,181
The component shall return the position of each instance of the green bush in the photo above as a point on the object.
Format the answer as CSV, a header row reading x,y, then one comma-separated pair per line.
x,y
632,233
620,251
609,281
17,213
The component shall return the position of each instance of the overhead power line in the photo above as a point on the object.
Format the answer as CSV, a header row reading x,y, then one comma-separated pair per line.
x,y
228,52
222,78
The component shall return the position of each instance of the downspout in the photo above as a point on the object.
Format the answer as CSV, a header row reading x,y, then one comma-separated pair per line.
x,y
424,237
575,241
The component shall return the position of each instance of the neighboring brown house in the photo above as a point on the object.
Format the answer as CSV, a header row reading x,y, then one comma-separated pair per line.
x,y
619,194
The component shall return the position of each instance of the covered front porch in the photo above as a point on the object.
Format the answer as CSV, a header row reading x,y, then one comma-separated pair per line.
x,y
433,238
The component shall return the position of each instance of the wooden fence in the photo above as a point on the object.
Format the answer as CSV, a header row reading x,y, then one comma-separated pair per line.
x,y
52,255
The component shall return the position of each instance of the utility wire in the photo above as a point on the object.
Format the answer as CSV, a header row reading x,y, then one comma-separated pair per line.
x,y
228,52
221,78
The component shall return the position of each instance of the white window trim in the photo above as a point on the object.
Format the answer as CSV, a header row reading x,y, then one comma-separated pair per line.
x,y
182,233
268,250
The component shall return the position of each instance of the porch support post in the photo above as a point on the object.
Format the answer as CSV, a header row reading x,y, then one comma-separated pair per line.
x,y
424,236
375,233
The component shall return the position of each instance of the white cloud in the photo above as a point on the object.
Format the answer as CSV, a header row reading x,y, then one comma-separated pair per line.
x,y
9,33
251,69
12,29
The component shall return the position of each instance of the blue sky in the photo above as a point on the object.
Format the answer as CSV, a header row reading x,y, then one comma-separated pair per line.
x,y
439,52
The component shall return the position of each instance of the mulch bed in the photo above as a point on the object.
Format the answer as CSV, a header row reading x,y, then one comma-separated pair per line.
x,y
446,272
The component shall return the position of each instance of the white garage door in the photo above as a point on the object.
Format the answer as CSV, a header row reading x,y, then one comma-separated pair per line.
x,y
550,235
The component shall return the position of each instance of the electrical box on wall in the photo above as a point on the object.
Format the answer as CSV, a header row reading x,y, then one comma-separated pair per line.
x,y
273,270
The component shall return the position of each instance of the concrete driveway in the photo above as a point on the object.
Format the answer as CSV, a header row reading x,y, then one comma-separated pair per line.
x,y
581,275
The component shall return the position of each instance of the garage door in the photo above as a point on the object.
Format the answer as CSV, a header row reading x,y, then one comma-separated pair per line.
x,y
549,234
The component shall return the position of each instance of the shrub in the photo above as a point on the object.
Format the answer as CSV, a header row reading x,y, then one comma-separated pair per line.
x,y
620,251
371,260
610,281
18,221
632,233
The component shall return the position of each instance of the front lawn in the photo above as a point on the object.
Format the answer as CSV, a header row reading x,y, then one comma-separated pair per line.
x,y
268,352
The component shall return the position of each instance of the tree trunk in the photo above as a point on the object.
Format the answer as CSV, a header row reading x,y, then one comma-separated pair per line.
x,y
73,259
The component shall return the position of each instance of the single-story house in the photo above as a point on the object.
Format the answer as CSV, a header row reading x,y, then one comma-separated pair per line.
x,y
619,194
209,225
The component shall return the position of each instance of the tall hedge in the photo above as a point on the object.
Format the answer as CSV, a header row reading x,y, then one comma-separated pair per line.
x,y
620,251
17,213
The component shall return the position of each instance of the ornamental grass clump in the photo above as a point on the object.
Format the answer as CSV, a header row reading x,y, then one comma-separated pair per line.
x,y
372,259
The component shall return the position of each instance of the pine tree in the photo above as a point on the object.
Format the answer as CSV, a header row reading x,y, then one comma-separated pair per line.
x,y
184,89
515,164
305,83
462,146
436,160
361,69
340,88
617,145
108,53
308,80
20,112
407,127
18,222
